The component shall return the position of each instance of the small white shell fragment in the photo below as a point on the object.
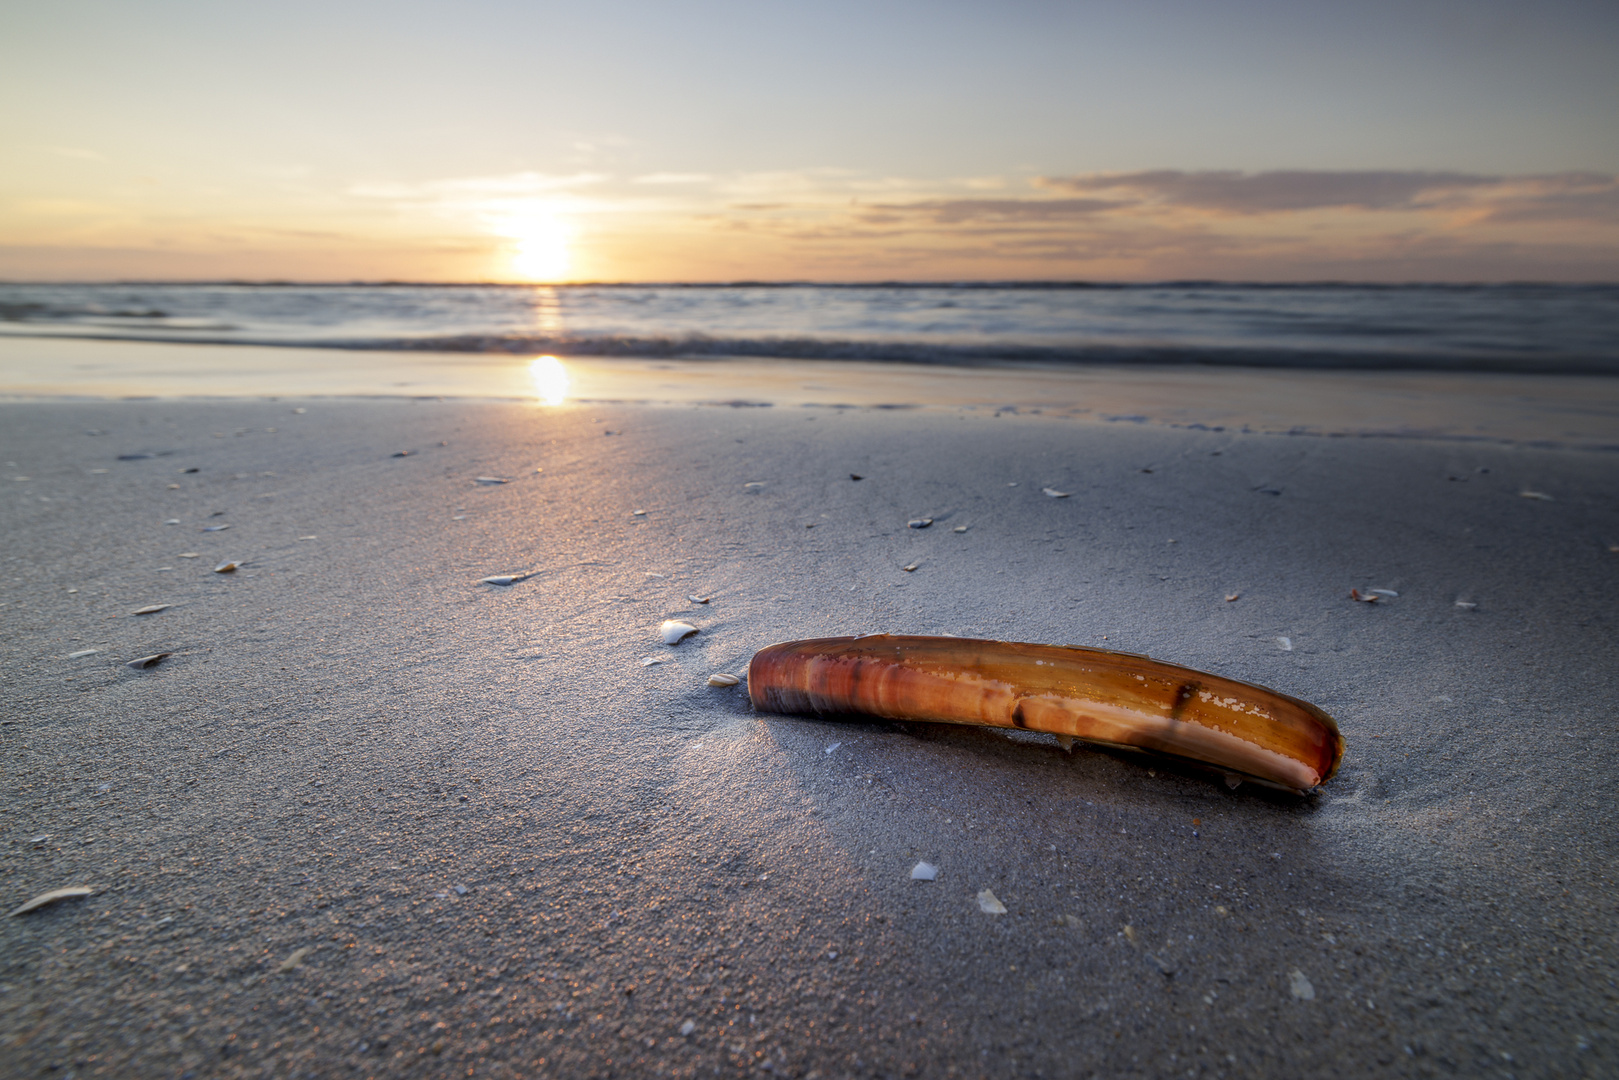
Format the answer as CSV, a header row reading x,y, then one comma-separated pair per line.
x,y
53,896
292,961
959,528
648,661
687,1028
1285,644
924,872
309,538
1383,592
1467,605
1299,985
148,661
654,574
833,747
910,568
1055,494
637,513
1541,495
699,599
504,579
82,652
150,609
719,678
673,631
489,480
1232,597
227,567
989,903
189,555
919,523
212,528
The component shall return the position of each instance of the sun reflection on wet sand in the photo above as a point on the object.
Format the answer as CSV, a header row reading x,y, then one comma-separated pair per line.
x,y
550,380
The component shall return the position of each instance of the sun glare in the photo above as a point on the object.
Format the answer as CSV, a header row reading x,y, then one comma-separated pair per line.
x,y
550,380
539,247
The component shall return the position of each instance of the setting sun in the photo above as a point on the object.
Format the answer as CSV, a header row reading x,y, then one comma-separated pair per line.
x,y
539,249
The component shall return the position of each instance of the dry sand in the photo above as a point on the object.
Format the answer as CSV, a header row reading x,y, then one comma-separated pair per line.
x,y
375,818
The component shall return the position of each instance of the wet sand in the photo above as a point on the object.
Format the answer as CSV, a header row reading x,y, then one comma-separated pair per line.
x,y
374,818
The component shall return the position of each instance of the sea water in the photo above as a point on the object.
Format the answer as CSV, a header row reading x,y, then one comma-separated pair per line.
x,y
1528,328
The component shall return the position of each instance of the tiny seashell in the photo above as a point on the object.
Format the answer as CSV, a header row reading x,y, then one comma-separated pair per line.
x,y
1285,644
754,484
504,579
150,609
637,513
1298,984
959,528
227,567
719,678
1541,495
1466,605
648,661
1383,592
653,573
989,903
82,652
294,960
148,661
53,896
189,555
699,599
214,528
833,747
1055,494
673,631
1232,596
490,480
173,521
910,568
924,872
919,523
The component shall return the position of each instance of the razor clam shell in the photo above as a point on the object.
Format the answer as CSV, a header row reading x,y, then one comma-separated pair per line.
x,y
53,896
145,662
1110,698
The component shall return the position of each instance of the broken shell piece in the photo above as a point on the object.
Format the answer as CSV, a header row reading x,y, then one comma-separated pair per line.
x,y
505,579
82,652
227,567
719,678
672,631
213,528
148,661
1055,494
1467,605
919,523
959,528
637,513
989,903
1231,597
699,599
1383,592
924,872
490,480
150,609
1111,698
53,896
648,661
189,555
910,568
1285,644
1541,495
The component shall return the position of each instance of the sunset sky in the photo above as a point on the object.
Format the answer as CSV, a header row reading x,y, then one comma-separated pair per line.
x,y
635,141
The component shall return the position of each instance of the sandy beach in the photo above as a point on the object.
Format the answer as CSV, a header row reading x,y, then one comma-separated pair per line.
x,y
372,817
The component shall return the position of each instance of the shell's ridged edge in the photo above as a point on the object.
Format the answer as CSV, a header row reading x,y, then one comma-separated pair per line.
x,y
767,694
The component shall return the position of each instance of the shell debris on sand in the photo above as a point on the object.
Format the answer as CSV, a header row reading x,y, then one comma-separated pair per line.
x,y
672,631
1232,597
45,899
1055,494
490,480
989,903
720,678
1285,644
151,609
648,661
959,528
189,555
1298,984
699,599
213,528
910,568
228,567
82,652
924,872
1541,495
148,661
919,523
505,579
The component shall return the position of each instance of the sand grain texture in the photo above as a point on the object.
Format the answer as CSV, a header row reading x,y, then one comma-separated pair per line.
x,y
500,845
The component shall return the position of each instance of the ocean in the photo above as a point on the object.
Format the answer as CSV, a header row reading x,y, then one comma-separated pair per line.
x,y
1529,328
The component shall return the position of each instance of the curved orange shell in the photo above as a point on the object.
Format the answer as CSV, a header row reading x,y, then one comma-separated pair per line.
x,y
1117,699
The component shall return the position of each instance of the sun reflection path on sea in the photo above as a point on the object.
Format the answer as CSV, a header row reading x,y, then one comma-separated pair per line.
x,y
550,380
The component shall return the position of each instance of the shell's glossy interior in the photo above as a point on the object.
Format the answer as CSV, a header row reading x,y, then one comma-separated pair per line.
x,y
1107,697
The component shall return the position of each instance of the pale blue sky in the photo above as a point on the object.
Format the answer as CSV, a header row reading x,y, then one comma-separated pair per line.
x,y
222,105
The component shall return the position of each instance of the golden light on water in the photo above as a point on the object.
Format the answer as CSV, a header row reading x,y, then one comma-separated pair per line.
x,y
550,380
